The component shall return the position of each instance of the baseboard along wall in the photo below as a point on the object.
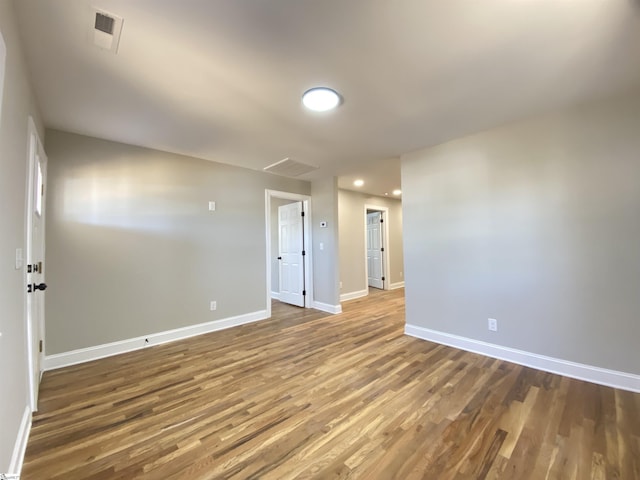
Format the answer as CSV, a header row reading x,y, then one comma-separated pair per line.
x,y
601,376
353,295
60,360
20,446
325,307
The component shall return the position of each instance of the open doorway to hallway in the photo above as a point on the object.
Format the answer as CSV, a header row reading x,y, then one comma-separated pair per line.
x,y
359,220
376,239
289,262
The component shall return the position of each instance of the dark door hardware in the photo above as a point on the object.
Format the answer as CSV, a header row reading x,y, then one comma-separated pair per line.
x,y
35,286
35,268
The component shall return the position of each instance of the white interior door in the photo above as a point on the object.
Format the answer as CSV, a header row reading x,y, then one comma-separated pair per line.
x,y
291,260
35,274
374,250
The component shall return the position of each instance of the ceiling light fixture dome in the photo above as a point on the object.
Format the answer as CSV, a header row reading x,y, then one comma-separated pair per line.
x,y
321,99
397,191
359,182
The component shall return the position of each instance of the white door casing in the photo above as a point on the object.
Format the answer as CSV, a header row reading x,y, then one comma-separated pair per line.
x,y
35,251
384,232
375,276
269,195
290,253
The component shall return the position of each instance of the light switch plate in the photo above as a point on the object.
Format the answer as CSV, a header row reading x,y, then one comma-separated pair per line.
x,y
212,206
19,259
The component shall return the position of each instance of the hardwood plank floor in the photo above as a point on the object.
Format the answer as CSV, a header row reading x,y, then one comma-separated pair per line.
x,y
310,395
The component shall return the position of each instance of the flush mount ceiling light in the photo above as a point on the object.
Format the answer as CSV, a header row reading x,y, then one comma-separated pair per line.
x,y
358,183
397,191
320,99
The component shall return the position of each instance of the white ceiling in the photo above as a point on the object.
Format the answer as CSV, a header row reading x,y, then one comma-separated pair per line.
x,y
222,79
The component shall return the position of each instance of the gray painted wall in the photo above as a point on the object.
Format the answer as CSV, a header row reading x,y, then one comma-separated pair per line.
x,y
18,102
352,239
536,224
133,249
326,267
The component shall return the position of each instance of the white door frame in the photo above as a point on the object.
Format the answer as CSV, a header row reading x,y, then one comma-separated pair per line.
x,y
375,249
35,330
290,248
385,244
308,274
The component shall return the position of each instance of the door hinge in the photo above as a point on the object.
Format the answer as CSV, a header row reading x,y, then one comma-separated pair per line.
x,y
303,253
382,279
40,346
304,292
382,249
302,214
381,220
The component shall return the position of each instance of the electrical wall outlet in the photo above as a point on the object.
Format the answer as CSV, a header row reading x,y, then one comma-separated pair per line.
x,y
493,324
213,305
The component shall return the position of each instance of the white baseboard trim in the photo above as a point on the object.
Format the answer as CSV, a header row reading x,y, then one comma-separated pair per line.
x,y
601,376
353,295
59,360
396,285
275,295
20,447
325,307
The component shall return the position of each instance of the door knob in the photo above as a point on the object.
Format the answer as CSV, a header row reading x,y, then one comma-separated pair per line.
x,y
41,286
279,258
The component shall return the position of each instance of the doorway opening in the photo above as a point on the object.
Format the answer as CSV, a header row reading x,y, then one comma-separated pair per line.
x,y
35,251
376,247
288,239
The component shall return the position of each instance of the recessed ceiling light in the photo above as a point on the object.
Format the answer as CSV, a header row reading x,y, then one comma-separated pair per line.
x,y
320,99
358,183
397,191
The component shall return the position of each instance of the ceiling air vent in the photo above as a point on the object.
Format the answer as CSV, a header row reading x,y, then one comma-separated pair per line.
x,y
104,23
106,30
289,168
